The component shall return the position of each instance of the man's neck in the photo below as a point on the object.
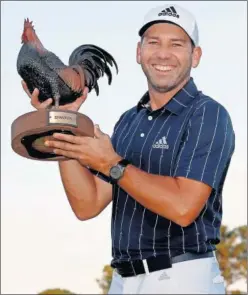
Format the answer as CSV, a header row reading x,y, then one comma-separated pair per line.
x,y
158,99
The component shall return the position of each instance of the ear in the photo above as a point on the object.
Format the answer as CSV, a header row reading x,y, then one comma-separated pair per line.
x,y
138,50
197,53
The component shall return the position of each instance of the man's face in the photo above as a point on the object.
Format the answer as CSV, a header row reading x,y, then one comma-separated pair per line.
x,y
166,56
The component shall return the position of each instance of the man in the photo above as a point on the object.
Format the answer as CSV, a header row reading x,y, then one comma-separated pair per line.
x,y
164,168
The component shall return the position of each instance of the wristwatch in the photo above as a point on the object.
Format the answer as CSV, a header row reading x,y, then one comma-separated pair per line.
x,y
117,171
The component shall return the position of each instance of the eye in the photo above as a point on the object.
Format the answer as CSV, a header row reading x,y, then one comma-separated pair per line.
x,y
177,45
153,42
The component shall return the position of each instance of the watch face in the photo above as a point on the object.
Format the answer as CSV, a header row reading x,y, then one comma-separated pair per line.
x,y
115,172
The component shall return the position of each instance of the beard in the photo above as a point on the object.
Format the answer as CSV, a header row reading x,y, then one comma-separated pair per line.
x,y
163,83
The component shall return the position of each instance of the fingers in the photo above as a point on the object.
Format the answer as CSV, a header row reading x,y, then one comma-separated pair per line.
x,y
74,106
85,92
25,88
67,154
97,131
36,103
82,98
65,146
35,97
68,138
46,103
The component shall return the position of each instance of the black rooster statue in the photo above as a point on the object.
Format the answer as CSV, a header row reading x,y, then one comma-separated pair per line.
x,y
42,69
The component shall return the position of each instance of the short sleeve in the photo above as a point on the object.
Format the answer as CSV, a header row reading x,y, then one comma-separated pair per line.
x,y
208,146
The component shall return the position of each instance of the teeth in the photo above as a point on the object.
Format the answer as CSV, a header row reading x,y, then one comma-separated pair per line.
x,y
163,68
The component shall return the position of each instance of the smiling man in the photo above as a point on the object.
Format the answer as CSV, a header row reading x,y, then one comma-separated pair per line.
x,y
164,169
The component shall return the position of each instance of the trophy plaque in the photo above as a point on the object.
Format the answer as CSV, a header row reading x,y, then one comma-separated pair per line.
x,y
42,69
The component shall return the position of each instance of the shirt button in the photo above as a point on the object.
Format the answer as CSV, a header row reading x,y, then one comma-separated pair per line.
x,y
142,134
150,118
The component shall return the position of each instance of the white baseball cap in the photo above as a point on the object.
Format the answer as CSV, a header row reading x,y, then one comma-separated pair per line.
x,y
173,14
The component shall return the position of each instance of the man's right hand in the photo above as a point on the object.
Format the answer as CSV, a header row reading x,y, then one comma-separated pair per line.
x,y
74,106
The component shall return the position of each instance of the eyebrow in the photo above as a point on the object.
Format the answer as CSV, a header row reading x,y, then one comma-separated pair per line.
x,y
178,40
172,39
152,37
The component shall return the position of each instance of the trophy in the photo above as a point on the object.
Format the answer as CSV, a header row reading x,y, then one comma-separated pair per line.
x,y
42,69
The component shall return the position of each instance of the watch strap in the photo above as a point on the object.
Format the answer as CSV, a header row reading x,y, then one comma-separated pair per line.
x,y
124,162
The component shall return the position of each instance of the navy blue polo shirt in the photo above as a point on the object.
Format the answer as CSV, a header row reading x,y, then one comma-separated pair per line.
x,y
170,142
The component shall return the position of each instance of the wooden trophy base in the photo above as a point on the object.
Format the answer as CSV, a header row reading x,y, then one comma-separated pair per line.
x,y
29,132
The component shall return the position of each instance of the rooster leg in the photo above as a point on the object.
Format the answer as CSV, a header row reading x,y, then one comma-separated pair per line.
x,y
56,100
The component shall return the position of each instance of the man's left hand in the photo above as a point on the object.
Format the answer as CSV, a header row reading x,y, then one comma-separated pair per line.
x,y
97,153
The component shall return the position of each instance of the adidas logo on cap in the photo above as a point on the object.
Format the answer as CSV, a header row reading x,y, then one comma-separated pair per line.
x,y
171,11
174,14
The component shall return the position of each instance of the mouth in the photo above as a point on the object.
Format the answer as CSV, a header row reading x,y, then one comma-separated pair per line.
x,y
163,68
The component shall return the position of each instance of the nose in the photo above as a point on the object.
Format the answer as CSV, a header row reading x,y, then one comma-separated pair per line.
x,y
163,52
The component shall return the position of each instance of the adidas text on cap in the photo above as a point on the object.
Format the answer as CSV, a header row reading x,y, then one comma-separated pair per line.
x,y
173,14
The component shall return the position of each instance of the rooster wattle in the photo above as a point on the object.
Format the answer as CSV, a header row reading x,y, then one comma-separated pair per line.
x,y
42,69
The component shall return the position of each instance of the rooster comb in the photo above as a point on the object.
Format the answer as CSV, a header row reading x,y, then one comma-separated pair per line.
x,y
28,24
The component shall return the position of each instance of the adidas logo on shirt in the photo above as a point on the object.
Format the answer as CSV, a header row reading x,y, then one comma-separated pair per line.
x,y
161,144
171,11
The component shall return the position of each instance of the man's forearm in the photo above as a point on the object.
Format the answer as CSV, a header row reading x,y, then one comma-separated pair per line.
x,y
80,187
178,199
160,194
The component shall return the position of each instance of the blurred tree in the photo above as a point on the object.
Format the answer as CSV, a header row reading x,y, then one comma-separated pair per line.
x,y
56,291
105,281
231,254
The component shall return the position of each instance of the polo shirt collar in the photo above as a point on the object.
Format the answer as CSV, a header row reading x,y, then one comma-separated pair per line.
x,y
181,100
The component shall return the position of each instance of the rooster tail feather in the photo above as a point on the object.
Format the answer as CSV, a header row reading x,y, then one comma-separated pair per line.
x,y
109,74
97,89
108,56
94,61
90,74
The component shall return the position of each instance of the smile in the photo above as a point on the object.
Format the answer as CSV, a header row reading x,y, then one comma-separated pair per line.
x,y
163,68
